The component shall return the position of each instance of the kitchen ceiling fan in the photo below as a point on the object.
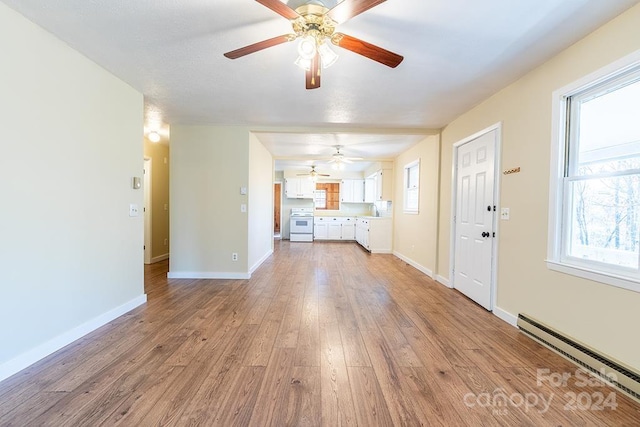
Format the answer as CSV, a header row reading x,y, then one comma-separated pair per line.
x,y
338,157
313,174
314,24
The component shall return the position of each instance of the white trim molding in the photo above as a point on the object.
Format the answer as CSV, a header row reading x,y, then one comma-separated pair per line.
x,y
207,275
32,356
506,316
414,264
443,281
159,258
260,261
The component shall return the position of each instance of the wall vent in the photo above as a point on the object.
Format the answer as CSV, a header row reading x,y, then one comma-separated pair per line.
x,y
626,379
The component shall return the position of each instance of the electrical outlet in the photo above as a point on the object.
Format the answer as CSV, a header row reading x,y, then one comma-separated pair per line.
x,y
243,207
234,256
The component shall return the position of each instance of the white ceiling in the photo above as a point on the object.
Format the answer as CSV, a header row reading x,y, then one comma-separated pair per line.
x,y
456,54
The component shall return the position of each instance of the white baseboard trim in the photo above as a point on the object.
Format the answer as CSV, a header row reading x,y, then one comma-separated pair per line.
x,y
159,258
414,264
443,280
206,275
30,357
506,316
260,261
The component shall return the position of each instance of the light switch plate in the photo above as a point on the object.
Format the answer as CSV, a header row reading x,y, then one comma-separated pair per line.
x,y
504,214
243,207
243,190
133,209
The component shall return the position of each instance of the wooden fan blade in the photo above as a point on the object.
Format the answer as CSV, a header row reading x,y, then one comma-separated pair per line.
x,y
280,8
252,48
313,74
350,8
369,50
323,174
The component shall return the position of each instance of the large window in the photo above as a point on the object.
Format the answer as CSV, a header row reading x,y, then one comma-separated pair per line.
x,y
596,223
411,187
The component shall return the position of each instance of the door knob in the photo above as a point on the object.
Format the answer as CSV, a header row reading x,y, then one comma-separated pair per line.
x,y
485,234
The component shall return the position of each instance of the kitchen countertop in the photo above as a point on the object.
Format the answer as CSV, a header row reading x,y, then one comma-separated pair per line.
x,y
331,214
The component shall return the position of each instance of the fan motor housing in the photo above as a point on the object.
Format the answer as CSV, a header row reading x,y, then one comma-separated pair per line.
x,y
313,21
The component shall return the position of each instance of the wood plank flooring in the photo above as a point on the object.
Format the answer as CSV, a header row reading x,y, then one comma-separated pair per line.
x,y
323,334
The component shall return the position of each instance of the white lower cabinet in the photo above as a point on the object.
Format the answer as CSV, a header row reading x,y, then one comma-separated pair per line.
x,y
333,228
374,234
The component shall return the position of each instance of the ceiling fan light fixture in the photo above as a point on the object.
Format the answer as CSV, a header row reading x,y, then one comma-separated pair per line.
x,y
307,47
303,63
327,55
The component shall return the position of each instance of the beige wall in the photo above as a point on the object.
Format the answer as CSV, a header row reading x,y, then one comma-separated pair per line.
x,y
415,236
599,315
208,166
159,155
260,200
71,139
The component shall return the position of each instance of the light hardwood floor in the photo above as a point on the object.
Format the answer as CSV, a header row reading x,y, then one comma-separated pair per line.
x,y
322,334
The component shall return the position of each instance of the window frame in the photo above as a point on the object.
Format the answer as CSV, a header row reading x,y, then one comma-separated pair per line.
x,y
558,232
406,173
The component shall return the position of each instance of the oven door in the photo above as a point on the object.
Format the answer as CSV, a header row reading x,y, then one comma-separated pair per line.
x,y
300,224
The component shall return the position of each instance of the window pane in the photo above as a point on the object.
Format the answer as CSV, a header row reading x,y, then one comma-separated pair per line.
x,y
412,177
320,199
412,199
609,128
603,223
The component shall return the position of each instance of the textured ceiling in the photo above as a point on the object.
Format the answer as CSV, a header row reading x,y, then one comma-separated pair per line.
x,y
456,54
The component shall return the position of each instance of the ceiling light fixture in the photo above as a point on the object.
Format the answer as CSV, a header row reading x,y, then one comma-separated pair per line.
x,y
154,136
314,25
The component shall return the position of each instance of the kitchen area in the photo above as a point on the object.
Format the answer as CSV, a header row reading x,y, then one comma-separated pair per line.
x,y
339,207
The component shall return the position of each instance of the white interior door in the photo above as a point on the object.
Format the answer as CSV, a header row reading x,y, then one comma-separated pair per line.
x,y
474,218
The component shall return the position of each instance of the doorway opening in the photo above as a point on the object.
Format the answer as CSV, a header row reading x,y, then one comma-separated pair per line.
x,y
277,210
146,188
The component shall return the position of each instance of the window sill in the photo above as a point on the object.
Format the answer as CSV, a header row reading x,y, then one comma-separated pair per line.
x,y
597,276
411,212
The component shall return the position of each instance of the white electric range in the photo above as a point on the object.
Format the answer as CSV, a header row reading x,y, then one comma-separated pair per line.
x,y
301,225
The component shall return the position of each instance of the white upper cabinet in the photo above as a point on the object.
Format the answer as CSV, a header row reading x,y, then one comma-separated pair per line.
x,y
299,188
352,191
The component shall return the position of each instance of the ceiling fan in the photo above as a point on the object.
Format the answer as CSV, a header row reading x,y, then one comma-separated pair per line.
x,y
313,174
314,24
338,157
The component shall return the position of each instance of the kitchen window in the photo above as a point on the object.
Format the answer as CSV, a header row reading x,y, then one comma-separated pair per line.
x,y
320,199
411,187
595,189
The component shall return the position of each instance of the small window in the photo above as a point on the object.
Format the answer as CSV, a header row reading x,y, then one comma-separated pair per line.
x,y
596,226
411,187
320,198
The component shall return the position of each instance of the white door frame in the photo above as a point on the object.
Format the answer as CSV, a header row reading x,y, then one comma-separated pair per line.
x,y
146,188
496,197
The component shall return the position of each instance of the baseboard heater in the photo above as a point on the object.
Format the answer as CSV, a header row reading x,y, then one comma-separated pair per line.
x,y
626,379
